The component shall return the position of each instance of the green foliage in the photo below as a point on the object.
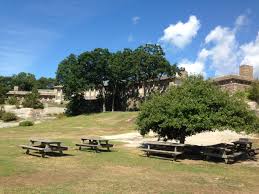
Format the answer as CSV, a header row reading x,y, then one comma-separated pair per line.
x,y
8,116
3,89
253,92
25,81
70,75
194,107
123,70
46,83
31,100
1,111
26,123
12,100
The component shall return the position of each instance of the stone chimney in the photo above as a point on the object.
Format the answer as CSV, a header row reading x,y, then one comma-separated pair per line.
x,y
246,71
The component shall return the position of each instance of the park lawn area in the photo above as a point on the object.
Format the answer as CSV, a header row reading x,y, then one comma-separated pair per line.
x,y
124,170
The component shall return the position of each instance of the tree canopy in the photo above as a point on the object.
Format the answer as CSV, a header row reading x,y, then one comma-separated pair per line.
x,y
194,107
121,70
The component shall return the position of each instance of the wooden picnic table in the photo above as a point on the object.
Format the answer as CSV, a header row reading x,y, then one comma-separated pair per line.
x,y
167,148
227,152
44,146
95,142
245,145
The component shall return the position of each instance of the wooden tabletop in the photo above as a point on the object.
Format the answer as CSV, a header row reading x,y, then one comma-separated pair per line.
x,y
96,138
242,142
164,143
49,141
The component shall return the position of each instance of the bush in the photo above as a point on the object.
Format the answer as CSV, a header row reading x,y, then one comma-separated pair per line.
x,y
32,100
8,116
26,123
12,100
254,92
1,111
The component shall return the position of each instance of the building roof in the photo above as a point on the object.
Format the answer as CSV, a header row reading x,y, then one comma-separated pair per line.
x,y
41,92
232,77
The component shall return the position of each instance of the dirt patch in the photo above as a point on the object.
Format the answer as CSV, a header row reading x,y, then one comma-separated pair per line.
x,y
134,139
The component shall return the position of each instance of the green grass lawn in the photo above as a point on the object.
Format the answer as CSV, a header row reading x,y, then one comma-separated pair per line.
x,y
124,170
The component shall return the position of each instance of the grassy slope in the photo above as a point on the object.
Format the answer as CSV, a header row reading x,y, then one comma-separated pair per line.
x,y
121,171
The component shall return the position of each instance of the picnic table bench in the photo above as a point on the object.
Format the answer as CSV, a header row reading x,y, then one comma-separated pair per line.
x,y
44,146
94,143
163,148
245,145
227,152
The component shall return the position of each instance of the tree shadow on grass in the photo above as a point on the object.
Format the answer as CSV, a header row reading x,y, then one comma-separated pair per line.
x,y
195,153
89,150
48,154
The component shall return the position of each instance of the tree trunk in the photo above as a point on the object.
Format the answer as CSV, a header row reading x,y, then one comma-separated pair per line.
x,y
182,139
113,97
144,88
104,100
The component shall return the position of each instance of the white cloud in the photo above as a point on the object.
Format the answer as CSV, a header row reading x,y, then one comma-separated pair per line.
x,y
222,54
193,68
250,53
130,38
241,21
222,50
135,19
181,34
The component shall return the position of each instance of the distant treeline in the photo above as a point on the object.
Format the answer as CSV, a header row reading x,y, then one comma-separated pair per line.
x,y
25,81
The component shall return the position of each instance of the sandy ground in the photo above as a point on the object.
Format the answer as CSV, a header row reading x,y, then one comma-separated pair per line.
x,y
134,139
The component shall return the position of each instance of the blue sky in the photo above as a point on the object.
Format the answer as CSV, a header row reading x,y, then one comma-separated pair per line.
x,y
208,37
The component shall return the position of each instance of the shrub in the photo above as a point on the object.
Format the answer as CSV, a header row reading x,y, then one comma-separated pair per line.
x,y
254,92
1,111
26,123
32,100
12,100
8,116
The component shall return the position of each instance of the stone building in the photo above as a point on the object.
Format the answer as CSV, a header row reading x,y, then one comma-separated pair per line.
x,y
158,84
46,95
233,83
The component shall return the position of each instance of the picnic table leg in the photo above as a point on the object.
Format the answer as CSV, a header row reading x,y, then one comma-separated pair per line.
x,y
108,148
148,147
42,154
59,148
27,151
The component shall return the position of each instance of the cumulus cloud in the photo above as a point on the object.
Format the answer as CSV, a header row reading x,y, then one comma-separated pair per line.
x,y
241,20
197,67
193,68
135,19
181,34
250,53
222,54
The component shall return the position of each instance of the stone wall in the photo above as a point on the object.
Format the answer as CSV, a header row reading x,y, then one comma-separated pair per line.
x,y
234,87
